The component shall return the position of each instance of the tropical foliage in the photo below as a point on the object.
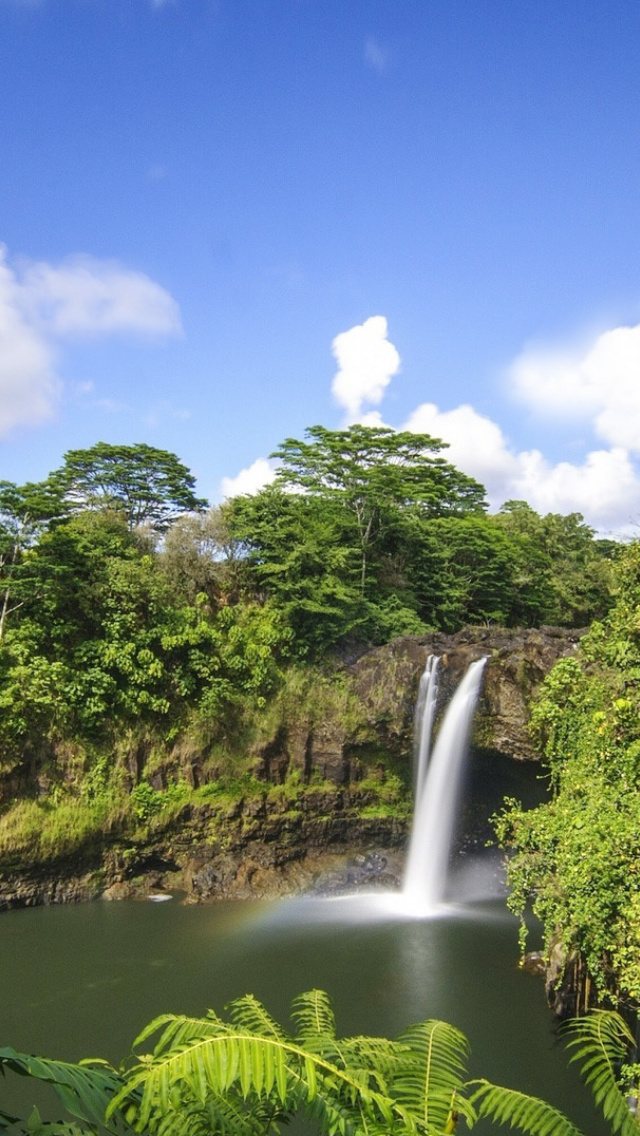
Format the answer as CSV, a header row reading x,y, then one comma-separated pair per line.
x,y
133,621
577,857
247,1076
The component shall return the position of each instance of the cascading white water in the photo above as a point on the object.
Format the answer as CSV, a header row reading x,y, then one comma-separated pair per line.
x,y
423,722
436,806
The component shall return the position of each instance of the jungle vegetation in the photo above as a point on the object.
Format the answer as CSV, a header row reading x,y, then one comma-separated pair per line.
x,y
577,857
132,615
247,1076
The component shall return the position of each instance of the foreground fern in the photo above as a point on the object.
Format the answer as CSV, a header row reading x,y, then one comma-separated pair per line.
x,y
246,1076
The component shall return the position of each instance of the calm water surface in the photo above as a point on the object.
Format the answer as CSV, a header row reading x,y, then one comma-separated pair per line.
x,y
82,980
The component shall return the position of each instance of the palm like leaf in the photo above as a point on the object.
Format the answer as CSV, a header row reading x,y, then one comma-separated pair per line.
x,y
86,1090
601,1041
519,1110
432,1072
247,1076
206,1066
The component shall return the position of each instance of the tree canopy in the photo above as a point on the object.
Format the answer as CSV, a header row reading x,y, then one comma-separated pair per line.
x,y
144,484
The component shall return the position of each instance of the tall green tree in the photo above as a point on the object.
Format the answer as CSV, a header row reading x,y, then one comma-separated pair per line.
x,y
561,574
374,470
300,551
143,484
25,511
460,570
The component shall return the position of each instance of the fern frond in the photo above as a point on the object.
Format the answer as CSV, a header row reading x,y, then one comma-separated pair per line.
x,y
520,1111
246,1064
86,1090
178,1029
313,1014
250,1015
600,1041
433,1070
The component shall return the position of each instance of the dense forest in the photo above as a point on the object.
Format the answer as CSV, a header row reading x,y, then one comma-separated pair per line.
x,y
133,616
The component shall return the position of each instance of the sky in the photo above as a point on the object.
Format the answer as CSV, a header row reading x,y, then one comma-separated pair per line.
x,y
223,221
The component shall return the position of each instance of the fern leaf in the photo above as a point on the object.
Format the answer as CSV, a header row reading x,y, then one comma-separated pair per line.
x,y
524,1113
313,1014
86,1090
601,1040
251,1015
432,1069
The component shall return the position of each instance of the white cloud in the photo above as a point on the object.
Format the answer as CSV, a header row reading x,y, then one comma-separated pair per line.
x,y
476,444
367,361
600,383
83,296
29,388
250,480
41,304
605,488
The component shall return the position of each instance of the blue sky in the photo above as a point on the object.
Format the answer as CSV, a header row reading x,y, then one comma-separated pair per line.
x,y
211,208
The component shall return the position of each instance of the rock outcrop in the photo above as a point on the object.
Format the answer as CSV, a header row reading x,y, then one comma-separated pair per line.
x,y
385,681
323,841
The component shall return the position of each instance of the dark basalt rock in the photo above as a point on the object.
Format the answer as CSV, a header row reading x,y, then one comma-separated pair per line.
x,y
385,681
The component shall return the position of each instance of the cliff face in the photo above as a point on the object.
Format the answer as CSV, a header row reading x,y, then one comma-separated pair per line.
x,y
342,833
385,681
256,847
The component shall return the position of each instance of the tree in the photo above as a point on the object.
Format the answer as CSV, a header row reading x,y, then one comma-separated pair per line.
x,y
201,554
25,510
299,550
145,485
374,470
460,570
247,1077
561,575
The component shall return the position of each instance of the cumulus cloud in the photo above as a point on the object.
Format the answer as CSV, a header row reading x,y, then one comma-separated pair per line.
x,y
600,383
367,361
605,488
42,304
29,388
250,480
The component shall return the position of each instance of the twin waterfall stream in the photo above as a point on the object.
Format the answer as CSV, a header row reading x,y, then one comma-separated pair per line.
x,y
438,777
437,787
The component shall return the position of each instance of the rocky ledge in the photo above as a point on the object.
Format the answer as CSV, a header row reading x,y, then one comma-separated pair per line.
x,y
253,849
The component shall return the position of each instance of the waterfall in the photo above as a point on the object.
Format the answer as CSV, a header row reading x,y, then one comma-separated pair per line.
x,y
436,802
423,722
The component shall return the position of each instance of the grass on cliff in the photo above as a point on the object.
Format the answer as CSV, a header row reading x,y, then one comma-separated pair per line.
x,y
40,831
57,827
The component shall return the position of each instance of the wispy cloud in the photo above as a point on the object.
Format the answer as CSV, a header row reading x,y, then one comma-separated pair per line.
x,y
42,305
376,56
88,297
